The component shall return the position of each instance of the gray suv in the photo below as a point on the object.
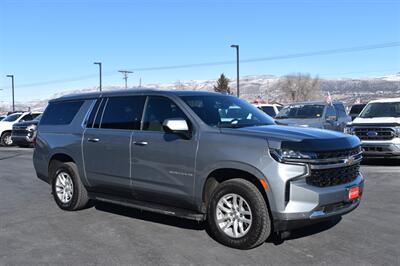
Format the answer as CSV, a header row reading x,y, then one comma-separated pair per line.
x,y
180,153
318,114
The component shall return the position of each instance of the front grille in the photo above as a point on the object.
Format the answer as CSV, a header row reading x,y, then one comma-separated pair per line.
x,y
374,133
333,176
338,153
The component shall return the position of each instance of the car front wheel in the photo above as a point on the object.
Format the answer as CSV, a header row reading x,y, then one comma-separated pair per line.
x,y
238,215
6,139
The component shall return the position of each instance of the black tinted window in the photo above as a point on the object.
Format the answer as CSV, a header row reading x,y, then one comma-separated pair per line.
x,y
330,111
27,117
269,110
340,110
123,113
157,110
60,113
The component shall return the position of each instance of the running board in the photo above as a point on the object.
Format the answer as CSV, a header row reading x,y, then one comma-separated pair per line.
x,y
149,206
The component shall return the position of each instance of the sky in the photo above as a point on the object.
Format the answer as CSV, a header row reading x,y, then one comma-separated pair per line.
x,y
50,45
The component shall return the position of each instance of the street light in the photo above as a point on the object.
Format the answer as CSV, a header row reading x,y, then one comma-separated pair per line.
x,y
12,87
237,68
99,63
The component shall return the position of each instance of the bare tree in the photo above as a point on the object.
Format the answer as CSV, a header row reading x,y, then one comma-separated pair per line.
x,y
300,87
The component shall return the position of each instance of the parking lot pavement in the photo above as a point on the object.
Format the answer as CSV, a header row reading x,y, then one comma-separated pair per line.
x,y
33,230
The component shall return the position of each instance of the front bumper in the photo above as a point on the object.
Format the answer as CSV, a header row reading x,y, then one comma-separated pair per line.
x,y
381,148
308,204
21,140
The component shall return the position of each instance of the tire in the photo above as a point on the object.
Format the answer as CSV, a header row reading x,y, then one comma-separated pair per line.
x,y
255,233
6,139
76,195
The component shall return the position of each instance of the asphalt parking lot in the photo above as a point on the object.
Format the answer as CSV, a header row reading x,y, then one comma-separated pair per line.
x,y
33,230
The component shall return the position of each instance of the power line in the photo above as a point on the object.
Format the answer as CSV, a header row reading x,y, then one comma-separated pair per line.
x,y
229,62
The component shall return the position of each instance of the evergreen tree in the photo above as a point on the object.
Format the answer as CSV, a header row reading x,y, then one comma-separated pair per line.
x,y
222,85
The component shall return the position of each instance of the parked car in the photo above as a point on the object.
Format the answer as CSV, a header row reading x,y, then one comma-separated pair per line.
x,y
318,114
7,123
270,109
171,152
2,117
356,109
378,127
24,133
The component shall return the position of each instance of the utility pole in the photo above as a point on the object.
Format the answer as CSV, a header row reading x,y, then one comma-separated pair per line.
x,y
12,87
99,63
125,73
140,82
237,68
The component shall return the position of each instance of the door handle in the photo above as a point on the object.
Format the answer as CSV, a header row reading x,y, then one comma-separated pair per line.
x,y
140,143
94,140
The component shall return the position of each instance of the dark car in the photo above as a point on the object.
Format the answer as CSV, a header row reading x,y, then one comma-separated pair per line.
x,y
24,133
356,109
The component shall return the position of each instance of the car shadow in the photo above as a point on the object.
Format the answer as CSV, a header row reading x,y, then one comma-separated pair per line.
x,y
278,239
149,216
380,162
199,226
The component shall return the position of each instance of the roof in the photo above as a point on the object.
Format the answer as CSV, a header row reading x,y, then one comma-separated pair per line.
x,y
128,92
388,100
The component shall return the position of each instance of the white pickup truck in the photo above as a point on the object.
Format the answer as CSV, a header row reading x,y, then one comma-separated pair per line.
x,y
7,123
378,127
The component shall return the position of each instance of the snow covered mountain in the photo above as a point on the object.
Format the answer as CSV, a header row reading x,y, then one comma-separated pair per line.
x,y
346,89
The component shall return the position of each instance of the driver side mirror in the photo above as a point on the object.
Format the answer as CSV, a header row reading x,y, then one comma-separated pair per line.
x,y
177,126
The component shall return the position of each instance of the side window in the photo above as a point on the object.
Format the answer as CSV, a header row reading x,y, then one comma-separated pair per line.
x,y
340,110
330,111
157,110
123,112
60,113
34,116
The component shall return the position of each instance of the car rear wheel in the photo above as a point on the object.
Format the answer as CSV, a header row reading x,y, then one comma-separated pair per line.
x,y
67,188
6,139
238,215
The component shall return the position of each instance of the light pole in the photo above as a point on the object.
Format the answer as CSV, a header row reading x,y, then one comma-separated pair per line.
x,y
125,73
12,87
99,63
237,68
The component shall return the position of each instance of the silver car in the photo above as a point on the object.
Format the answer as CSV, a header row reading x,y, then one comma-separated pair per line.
x,y
181,153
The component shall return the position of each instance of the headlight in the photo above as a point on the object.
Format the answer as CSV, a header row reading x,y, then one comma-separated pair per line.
x,y
284,155
31,128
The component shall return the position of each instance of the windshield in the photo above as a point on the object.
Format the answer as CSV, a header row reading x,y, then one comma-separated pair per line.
x,y
381,110
226,111
11,118
301,111
269,110
356,109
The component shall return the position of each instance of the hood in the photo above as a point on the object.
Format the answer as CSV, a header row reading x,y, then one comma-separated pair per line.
x,y
376,120
300,122
302,139
26,123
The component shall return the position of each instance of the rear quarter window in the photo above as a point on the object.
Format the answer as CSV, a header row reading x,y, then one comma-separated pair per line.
x,y
60,113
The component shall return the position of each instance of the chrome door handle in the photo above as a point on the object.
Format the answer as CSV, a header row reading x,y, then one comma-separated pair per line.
x,y
140,143
94,140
